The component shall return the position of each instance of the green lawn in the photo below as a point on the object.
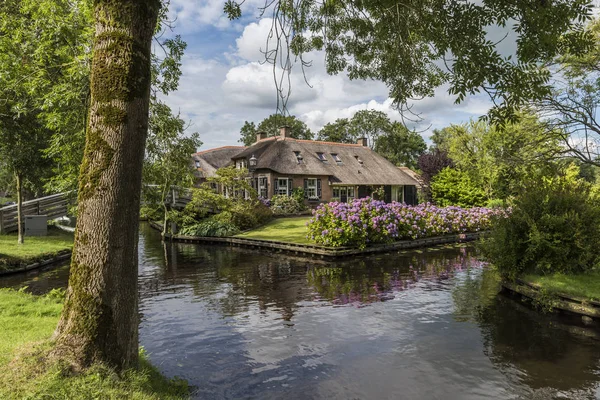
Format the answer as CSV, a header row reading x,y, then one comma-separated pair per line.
x,y
291,230
26,325
34,246
584,285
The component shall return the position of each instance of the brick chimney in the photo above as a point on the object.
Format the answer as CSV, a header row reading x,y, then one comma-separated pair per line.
x,y
285,132
261,135
362,141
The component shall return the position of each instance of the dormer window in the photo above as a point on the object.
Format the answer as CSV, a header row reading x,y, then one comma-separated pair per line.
x,y
336,158
359,160
299,157
242,163
197,164
322,156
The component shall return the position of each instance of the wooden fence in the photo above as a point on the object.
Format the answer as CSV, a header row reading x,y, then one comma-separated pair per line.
x,y
54,206
57,205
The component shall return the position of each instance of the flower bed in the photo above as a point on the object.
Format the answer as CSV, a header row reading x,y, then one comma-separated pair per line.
x,y
365,221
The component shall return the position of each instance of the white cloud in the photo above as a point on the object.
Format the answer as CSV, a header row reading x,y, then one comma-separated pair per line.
x,y
218,96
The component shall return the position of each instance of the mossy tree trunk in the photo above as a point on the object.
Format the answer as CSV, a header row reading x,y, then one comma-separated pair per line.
x,y
19,180
99,321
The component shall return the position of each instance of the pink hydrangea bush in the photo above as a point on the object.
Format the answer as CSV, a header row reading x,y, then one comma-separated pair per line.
x,y
365,221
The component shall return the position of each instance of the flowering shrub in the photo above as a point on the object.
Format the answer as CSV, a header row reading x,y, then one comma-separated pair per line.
x,y
284,205
365,221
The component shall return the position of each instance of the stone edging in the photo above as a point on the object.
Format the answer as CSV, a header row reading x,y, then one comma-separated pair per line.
x,y
327,252
61,256
589,310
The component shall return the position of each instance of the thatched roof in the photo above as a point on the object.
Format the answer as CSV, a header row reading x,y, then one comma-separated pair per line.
x,y
413,175
213,159
359,164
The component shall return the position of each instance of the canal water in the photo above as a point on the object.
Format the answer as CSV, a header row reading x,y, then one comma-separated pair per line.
x,y
238,324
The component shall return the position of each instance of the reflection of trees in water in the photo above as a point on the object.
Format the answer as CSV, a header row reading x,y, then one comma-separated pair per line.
x,y
377,278
537,350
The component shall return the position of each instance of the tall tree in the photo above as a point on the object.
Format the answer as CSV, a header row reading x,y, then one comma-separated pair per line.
x,y
370,124
168,155
498,159
37,44
339,131
271,126
401,146
99,321
439,139
572,105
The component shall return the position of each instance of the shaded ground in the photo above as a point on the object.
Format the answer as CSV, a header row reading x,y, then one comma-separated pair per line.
x,y
291,230
582,285
35,246
26,325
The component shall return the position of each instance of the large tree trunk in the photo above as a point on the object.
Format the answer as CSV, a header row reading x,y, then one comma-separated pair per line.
x,y
99,321
19,179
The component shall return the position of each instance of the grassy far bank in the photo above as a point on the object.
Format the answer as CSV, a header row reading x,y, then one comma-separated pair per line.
x,y
291,230
582,285
26,326
34,247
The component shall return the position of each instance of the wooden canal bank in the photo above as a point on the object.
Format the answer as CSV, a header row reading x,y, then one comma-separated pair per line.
x,y
323,251
587,310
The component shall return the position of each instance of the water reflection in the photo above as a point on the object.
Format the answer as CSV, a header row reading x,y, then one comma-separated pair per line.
x,y
414,325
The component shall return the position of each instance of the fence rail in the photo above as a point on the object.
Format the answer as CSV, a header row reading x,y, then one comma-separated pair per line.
x,y
57,205
54,206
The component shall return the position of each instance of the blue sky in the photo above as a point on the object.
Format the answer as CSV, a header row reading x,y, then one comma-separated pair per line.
x,y
224,83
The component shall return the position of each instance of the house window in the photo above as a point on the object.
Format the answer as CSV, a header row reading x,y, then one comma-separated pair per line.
x,y
343,193
197,164
336,158
282,186
299,157
322,156
239,164
311,188
262,187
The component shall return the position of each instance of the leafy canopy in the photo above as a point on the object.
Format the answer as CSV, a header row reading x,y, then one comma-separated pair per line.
x,y
416,46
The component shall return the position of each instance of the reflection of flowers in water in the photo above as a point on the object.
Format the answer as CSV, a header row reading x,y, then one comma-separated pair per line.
x,y
365,282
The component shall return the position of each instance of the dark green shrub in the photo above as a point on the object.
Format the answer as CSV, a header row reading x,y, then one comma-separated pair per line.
x,y
452,187
211,227
554,227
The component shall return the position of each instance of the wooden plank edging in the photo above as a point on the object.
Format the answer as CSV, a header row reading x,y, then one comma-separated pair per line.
x,y
325,251
61,256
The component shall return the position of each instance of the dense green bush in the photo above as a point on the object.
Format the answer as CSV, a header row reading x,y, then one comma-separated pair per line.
x,y
212,227
282,205
554,227
249,214
452,187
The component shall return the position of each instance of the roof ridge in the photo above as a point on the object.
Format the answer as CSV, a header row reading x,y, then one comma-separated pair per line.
x,y
328,143
220,148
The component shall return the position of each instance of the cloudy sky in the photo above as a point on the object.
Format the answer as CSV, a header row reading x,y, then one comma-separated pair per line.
x,y
224,83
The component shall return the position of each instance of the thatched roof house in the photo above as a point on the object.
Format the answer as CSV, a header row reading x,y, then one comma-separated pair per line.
x,y
325,170
207,162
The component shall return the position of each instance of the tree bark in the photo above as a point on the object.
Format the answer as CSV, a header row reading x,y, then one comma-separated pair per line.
x,y
99,322
19,179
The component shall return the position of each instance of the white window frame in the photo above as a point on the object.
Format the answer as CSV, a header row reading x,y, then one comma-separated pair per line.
x,y
311,189
262,187
279,190
239,164
347,190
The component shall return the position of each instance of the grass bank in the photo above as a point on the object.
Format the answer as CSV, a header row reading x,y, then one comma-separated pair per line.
x,y
14,255
292,230
586,286
26,326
